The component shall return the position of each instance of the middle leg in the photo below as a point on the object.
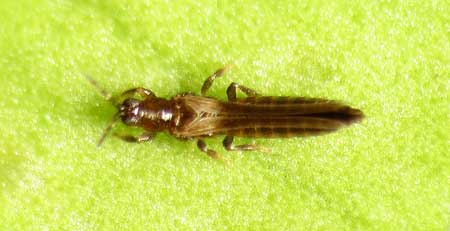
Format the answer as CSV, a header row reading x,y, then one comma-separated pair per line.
x,y
209,81
202,146
228,145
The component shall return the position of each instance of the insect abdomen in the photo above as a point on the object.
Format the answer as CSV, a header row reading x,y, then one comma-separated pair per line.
x,y
285,117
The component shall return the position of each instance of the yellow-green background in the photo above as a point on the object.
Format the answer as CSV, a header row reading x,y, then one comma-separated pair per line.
x,y
389,58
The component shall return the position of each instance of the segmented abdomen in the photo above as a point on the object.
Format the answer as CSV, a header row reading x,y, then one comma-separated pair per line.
x,y
284,117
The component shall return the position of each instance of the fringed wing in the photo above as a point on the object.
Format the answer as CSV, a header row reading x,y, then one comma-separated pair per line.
x,y
266,117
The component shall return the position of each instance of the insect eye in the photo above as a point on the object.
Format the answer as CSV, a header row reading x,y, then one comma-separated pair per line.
x,y
129,103
130,119
129,111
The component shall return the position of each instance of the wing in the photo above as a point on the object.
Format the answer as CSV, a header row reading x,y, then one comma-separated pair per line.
x,y
265,117
200,116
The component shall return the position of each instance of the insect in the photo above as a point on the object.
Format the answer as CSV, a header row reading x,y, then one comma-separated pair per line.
x,y
189,116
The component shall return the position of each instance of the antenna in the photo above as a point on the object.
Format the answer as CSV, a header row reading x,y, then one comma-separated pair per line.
x,y
102,91
109,98
108,128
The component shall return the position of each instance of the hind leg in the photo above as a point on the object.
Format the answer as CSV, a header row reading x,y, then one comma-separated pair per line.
x,y
232,89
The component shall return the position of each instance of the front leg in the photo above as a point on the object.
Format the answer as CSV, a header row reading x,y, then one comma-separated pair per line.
x,y
184,94
140,91
146,136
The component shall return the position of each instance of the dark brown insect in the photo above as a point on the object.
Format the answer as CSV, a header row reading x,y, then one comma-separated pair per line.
x,y
187,116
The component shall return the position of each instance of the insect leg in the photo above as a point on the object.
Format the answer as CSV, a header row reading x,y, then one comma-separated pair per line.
x,y
136,139
231,91
185,94
139,90
202,146
228,144
209,81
